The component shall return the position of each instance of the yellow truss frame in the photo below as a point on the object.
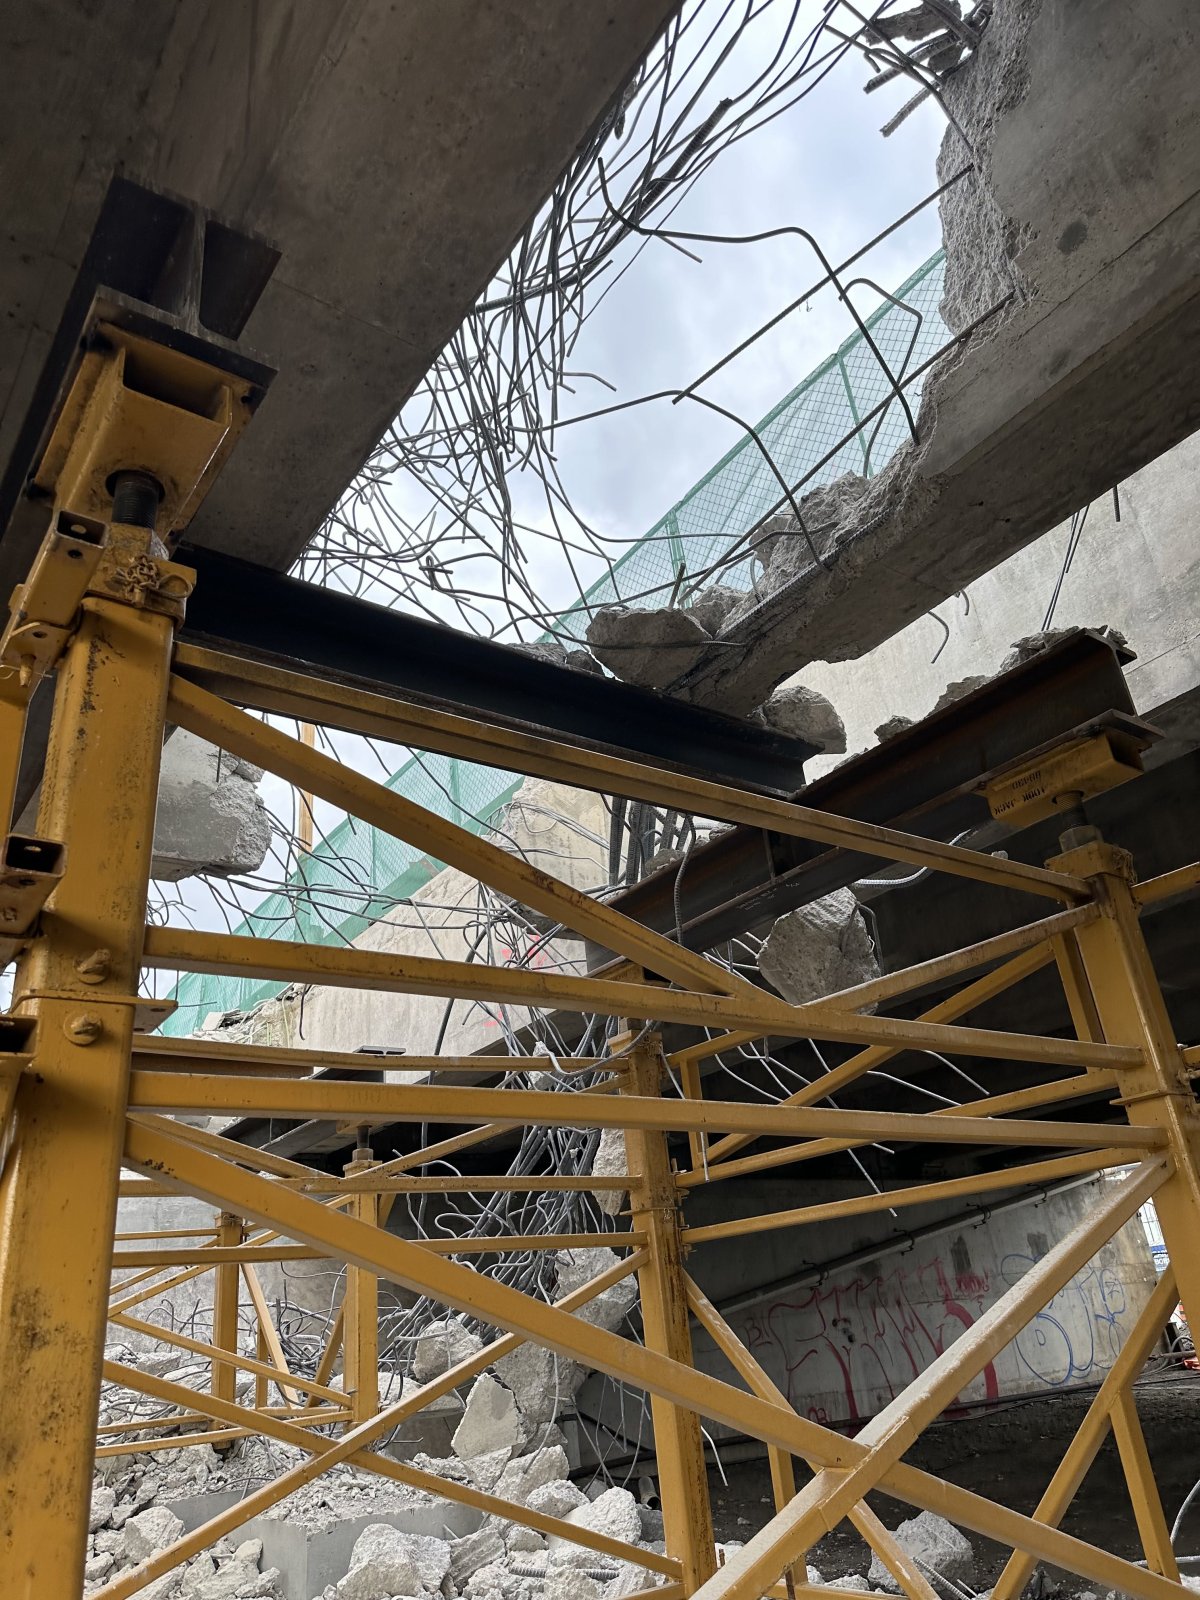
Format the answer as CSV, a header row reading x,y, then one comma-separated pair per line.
x,y
85,1100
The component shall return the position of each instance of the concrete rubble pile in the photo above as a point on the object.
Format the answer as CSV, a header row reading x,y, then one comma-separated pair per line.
x,y
127,1527
506,1445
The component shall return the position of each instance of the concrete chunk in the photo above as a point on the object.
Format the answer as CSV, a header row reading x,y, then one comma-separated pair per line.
x,y
382,1564
104,1501
528,1473
818,949
542,1381
490,1421
556,1499
150,1531
442,1345
649,648
936,1546
211,817
607,1310
476,1550
610,1161
803,713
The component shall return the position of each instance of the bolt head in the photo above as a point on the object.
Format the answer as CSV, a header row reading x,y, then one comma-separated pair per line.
x,y
83,1028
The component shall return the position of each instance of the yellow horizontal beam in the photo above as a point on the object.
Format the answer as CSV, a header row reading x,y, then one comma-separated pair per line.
x,y
365,1103
280,960
996,1105
1182,881
1030,1173
493,1244
166,1054
339,705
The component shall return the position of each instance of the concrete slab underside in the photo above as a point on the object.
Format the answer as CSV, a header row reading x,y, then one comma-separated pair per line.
x,y
392,151
1091,161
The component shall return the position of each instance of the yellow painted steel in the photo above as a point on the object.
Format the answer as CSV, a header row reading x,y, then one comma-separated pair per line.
x,y
1157,1092
360,1304
58,1192
226,1279
678,1441
417,1102
73,1109
526,752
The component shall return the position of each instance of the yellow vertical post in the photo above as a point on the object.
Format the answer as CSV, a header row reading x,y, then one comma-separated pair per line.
x,y
229,1231
360,1342
13,700
678,1441
58,1191
1158,1092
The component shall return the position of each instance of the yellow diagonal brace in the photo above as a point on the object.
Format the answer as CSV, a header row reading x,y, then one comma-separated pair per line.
x,y
824,1502
392,813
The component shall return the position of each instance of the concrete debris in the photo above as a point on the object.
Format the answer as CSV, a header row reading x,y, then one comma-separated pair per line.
x,y
558,1498
484,1471
104,1503
649,648
525,1541
712,605
818,949
543,1382
150,1531
610,1161
894,725
805,714
780,545
564,1583
936,1546
211,817
560,655
1032,644
610,1308
614,1513
442,1345
382,1564
522,1477
490,1422
476,1550
958,690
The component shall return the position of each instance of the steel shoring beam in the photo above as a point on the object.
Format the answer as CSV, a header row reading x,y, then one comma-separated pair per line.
x,y
269,1336
1143,1491
377,1102
348,967
197,1173
486,1245
827,1499
998,1105
783,1478
1090,1435
58,1185
218,722
957,1005
359,1437
1035,1173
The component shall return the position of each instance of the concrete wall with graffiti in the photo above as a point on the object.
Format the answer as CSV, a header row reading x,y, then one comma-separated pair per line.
x,y
841,1348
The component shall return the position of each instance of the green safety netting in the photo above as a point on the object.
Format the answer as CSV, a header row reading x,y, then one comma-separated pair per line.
x,y
357,874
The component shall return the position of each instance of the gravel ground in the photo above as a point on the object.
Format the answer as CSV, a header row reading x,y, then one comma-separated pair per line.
x,y
1009,1454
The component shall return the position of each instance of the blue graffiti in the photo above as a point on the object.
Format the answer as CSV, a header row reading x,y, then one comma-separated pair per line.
x,y
1079,1333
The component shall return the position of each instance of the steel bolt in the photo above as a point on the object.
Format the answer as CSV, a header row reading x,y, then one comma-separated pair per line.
x,y
83,1028
94,968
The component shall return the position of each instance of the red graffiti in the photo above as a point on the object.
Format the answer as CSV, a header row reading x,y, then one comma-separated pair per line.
x,y
854,1344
